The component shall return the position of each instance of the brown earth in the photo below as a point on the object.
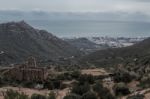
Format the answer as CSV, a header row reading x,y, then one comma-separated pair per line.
x,y
95,72
147,95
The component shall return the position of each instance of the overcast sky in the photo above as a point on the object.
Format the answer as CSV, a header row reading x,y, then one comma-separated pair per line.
x,y
130,6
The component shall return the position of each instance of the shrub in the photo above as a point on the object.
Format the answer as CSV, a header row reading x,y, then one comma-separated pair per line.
x,y
97,87
86,78
55,84
28,84
38,96
145,82
102,92
81,89
11,94
51,95
49,85
75,74
123,77
136,97
89,95
121,89
72,96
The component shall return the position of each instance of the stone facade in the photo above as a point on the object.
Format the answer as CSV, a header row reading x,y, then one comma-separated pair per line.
x,y
28,72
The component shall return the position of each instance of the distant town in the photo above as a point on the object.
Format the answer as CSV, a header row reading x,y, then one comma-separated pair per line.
x,y
91,44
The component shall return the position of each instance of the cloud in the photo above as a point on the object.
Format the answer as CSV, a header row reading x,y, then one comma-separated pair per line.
x,y
140,0
130,6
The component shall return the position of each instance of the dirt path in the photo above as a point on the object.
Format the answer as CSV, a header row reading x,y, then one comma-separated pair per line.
x,y
95,72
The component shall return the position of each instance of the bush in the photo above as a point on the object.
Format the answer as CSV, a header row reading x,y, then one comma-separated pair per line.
x,y
102,92
86,78
11,94
55,84
89,95
121,89
81,89
97,87
123,77
75,74
145,82
38,96
49,85
28,84
51,95
72,96
136,97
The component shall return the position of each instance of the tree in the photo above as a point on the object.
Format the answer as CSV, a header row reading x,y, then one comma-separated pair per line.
x,y
75,74
121,89
81,89
136,97
38,96
89,95
51,95
86,78
102,92
72,96
123,77
11,94
55,84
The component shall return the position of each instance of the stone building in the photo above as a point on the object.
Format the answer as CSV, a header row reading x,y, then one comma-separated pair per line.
x,y
28,71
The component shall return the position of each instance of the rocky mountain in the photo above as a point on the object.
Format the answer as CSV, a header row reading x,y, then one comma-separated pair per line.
x,y
18,40
138,53
85,45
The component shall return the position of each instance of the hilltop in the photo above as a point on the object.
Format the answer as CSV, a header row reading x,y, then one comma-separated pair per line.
x,y
19,40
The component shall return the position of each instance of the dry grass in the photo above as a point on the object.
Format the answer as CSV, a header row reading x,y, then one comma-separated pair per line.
x,y
134,85
95,72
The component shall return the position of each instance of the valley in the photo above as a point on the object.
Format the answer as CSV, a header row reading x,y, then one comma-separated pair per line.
x,y
92,44
35,63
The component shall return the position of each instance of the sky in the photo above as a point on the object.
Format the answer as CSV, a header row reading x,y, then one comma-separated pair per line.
x,y
130,6
106,10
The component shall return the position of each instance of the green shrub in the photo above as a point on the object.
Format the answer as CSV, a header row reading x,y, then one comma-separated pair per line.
x,y
123,77
89,95
28,84
81,89
102,92
55,84
38,96
11,94
136,97
145,82
75,74
86,78
51,95
121,89
72,96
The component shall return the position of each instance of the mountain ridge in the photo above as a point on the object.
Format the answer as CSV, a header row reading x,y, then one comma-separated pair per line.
x,y
115,56
19,40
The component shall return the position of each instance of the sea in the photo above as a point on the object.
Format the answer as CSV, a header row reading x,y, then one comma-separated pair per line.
x,y
89,28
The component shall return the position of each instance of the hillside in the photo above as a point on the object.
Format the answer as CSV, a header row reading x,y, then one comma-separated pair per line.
x,y
85,45
18,40
139,53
